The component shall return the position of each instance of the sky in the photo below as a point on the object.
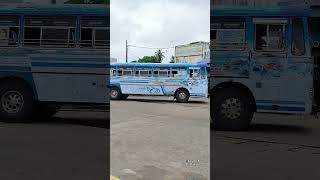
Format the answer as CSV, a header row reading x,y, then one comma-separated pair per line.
x,y
157,24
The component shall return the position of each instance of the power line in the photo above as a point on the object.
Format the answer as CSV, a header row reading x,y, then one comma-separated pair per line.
x,y
146,47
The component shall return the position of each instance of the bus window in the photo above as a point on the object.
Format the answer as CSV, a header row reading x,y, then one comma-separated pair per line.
x,y
270,37
155,73
163,73
183,72
101,38
49,31
174,72
127,73
194,73
144,73
113,72
120,72
9,30
94,32
298,47
227,33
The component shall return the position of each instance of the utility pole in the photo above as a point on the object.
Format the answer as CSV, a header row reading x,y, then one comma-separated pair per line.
x,y
126,51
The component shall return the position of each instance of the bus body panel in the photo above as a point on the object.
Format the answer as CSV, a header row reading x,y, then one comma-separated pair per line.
x,y
279,81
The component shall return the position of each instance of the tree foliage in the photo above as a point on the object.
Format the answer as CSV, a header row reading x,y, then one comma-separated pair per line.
x,y
159,55
149,59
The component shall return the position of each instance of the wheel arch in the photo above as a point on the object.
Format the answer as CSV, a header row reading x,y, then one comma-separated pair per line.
x,y
21,80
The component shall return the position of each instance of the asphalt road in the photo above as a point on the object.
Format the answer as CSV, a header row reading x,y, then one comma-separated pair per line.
x,y
276,147
72,145
155,138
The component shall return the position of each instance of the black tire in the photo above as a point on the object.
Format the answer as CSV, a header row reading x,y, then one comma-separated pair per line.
x,y
231,110
182,96
16,102
115,93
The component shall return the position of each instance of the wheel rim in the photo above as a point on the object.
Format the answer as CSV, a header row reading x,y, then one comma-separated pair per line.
x,y
182,95
231,108
12,102
114,93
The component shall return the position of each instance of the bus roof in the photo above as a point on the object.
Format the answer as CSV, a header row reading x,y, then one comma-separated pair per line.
x,y
158,65
65,9
259,11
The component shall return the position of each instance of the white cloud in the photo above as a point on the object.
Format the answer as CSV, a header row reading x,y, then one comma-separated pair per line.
x,y
157,23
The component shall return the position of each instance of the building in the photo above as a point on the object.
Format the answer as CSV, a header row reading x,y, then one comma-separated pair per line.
x,y
193,52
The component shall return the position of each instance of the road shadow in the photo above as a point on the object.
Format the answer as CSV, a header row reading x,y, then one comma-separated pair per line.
x,y
164,101
81,121
279,128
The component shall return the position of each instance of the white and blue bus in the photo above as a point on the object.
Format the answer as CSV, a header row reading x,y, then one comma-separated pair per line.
x,y
262,60
154,79
52,55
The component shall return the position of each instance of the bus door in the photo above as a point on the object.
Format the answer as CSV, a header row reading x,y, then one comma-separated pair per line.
x,y
268,60
299,78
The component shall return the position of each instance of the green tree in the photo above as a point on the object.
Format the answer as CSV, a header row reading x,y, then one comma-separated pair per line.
x,y
159,55
148,59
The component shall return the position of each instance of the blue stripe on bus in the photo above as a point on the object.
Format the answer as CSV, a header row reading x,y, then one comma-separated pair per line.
x,y
14,68
84,65
281,108
281,102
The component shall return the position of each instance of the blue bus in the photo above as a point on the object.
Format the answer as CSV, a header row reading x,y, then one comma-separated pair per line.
x,y
154,79
52,56
262,60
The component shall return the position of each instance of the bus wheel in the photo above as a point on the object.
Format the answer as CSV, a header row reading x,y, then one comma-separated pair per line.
x,y
182,96
231,110
115,93
16,102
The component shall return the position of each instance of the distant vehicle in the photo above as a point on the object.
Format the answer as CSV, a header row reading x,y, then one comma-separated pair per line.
x,y
178,80
55,55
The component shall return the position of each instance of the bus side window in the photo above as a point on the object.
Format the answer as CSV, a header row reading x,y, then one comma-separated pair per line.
x,y
113,72
9,31
127,73
155,73
174,73
120,72
298,46
144,73
270,37
227,33
48,31
183,72
163,73
194,73
94,32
